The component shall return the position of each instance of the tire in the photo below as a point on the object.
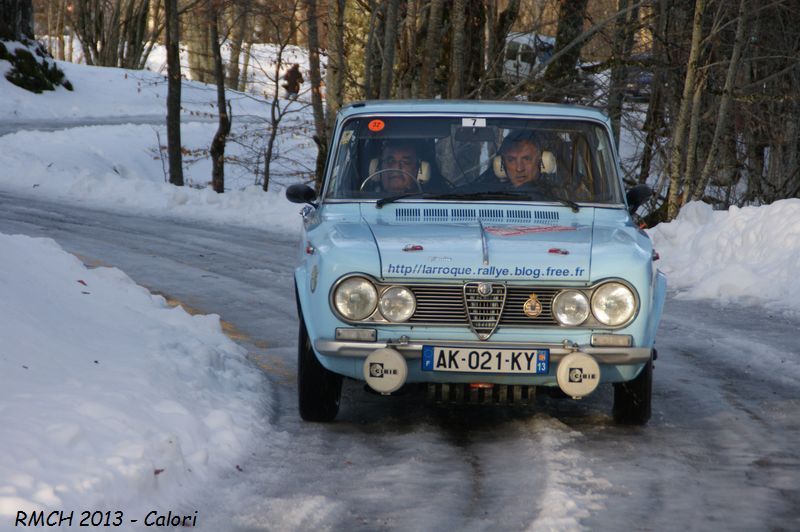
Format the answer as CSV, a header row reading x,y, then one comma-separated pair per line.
x,y
633,399
318,389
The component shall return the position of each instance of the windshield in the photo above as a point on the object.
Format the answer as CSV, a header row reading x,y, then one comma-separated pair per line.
x,y
456,157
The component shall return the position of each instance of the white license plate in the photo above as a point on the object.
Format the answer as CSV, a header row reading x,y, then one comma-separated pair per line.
x,y
476,360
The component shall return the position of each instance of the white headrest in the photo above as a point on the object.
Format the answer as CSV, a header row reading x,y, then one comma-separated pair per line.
x,y
423,174
547,165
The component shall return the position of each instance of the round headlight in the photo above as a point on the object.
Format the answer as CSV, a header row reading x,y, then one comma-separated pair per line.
x,y
397,303
571,307
613,304
355,298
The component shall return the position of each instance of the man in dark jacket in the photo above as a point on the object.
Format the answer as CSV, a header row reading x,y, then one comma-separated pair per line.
x,y
293,79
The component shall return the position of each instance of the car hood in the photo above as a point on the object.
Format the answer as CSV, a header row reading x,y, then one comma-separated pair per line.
x,y
535,251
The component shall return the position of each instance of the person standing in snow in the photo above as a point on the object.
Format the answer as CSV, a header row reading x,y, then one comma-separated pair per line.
x,y
293,79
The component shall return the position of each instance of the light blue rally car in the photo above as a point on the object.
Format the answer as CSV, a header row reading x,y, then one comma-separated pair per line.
x,y
485,251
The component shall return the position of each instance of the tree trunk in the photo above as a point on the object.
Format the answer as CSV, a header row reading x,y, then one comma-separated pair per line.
x,y
154,28
70,45
245,66
217,150
134,34
623,43
498,28
371,54
320,128
389,44
51,21
334,86
16,19
679,131
724,105
173,94
407,64
198,48
475,51
275,118
692,141
427,81
561,73
457,50
238,30
62,7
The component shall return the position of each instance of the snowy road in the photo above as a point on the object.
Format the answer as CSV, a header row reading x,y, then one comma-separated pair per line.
x,y
721,452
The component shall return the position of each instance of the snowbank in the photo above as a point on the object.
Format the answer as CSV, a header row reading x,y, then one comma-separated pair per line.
x,y
109,395
119,167
106,91
748,255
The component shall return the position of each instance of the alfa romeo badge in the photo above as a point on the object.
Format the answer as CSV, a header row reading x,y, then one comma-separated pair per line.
x,y
532,307
485,289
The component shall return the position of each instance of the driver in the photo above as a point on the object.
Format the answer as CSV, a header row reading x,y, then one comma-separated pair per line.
x,y
520,168
400,164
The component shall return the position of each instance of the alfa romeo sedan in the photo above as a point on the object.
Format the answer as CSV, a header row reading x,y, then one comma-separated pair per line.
x,y
484,251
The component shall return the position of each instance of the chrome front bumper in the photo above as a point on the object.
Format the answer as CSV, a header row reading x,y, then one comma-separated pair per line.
x,y
413,349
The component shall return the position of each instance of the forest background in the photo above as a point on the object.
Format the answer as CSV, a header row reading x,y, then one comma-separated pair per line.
x,y
708,88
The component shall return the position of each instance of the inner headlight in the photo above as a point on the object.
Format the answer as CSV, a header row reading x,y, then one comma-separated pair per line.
x,y
571,307
355,298
613,304
397,303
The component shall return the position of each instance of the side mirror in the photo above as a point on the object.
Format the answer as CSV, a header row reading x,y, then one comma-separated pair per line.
x,y
637,196
301,194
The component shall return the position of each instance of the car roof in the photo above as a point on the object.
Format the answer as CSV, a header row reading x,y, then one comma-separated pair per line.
x,y
472,108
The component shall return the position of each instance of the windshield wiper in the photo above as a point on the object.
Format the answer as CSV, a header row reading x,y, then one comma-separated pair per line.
x,y
390,199
552,197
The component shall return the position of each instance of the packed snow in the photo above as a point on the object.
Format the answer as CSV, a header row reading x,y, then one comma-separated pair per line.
x,y
110,394
114,398
746,255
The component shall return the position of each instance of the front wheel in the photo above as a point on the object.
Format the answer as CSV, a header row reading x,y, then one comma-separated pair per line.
x,y
318,389
632,399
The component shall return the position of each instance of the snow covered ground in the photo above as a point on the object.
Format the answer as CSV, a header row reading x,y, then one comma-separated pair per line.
x,y
746,256
121,165
111,397
110,394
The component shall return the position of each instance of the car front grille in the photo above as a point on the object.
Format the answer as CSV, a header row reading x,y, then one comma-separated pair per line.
x,y
448,305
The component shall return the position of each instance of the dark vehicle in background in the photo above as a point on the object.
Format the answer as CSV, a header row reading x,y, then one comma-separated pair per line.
x,y
525,52
639,78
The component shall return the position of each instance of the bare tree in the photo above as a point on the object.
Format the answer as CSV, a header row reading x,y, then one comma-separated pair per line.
x,y
457,50
389,43
498,26
320,128
561,70
432,50
283,28
173,93
197,39
622,45
112,32
217,150
372,55
724,106
679,130
238,22
334,85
